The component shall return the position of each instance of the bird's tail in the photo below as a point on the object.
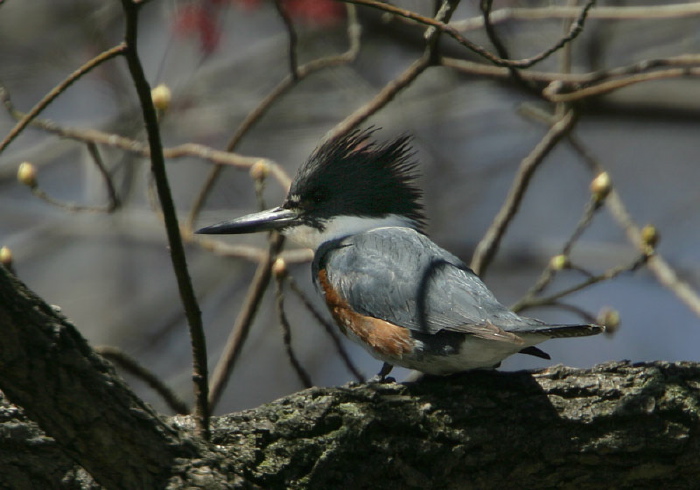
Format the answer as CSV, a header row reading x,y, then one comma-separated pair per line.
x,y
562,331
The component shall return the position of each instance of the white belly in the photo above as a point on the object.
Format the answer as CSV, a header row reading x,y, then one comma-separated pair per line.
x,y
474,353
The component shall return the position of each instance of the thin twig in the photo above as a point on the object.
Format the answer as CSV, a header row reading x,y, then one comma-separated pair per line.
x,y
291,31
571,81
111,191
593,205
487,247
112,140
380,100
330,329
485,6
241,327
662,270
576,29
132,366
177,251
111,205
564,59
251,253
653,12
287,334
69,206
552,92
303,71
391,89
58,90
549,272
531,302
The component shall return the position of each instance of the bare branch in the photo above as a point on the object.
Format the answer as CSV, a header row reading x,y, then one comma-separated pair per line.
x,y
487,247
177,251
241,327
550,271
659,266
653,12
576,29
49,370
571,81
531,302
69,206
111,140
391,89
111,191
302,374
552,92
293,64
58,90
485,6
31,180
133,367
284,86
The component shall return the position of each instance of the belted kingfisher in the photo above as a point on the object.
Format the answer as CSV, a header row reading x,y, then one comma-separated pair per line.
x,y
387,285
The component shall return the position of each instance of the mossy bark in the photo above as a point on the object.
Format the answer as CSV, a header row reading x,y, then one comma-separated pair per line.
x,y
618,425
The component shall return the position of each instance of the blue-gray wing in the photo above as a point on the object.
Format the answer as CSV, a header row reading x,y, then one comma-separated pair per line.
x,y
400,276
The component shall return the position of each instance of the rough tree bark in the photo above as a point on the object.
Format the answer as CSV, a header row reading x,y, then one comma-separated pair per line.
x,y
618,425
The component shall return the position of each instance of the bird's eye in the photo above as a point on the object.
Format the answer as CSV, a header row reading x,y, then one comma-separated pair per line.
x,y
317,196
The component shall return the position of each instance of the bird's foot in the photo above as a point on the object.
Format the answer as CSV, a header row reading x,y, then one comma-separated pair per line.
x,y
381,376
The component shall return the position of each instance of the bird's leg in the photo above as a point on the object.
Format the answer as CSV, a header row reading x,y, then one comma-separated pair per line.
x,y
381,376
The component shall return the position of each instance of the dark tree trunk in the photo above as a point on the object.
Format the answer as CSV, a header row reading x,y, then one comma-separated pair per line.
x,y
615,426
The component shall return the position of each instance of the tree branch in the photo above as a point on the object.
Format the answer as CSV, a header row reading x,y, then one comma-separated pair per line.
x,y
241,327
58,90
443,26
601,428
74,395
488,246
615,425
177,251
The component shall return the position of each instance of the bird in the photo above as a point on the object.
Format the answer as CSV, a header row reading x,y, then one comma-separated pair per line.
x,y
389,287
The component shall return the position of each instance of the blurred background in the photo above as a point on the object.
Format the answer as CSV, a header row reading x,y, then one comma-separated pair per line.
x,y
110,273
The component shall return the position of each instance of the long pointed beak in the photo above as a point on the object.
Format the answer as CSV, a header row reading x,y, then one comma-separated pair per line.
x,y
272,219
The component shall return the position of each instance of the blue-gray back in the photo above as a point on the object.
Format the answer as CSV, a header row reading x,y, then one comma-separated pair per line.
x,y
401,276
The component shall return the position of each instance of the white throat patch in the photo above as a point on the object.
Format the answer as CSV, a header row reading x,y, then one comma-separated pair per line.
x,y
341,226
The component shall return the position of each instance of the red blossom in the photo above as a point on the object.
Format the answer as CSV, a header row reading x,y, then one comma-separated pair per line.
x,y
319,12
245,4
200,19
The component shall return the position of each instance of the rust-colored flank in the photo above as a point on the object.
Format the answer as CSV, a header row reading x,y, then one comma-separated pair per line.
x,y
385,338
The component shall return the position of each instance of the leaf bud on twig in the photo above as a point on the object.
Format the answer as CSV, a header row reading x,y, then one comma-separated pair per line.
x,y
259,170
600,186
279,268
6,257
26,174
610,318
559,262
161,97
